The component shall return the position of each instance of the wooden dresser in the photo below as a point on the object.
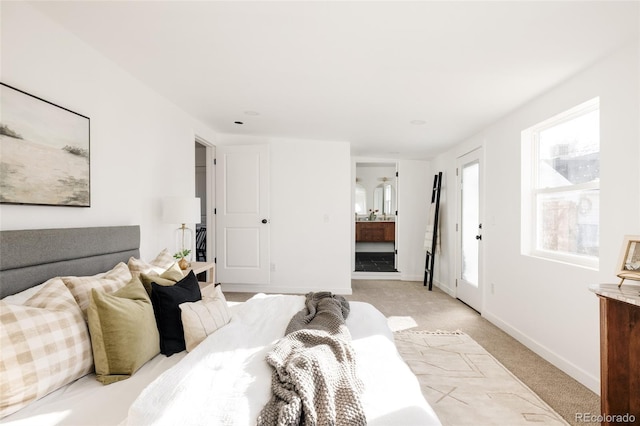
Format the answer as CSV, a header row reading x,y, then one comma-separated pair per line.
x,y
375,232
619,353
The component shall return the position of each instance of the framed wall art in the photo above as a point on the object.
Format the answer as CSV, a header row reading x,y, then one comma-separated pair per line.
x,y
629,263
44,152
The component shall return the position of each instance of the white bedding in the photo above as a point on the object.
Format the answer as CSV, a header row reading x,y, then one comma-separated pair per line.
x,y
226,380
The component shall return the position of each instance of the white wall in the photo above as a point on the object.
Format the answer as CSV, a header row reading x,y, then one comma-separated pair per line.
x,y
414,197
544,304
310,213
142,146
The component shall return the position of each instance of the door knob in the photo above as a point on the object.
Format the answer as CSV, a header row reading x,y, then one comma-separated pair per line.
x,y
478,237
264,221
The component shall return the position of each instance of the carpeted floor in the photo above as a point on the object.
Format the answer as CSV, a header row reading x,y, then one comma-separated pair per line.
x,y
410,302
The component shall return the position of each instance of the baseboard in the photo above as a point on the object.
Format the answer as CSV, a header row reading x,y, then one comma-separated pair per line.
x,y
449,290
582,376
270,289
407,277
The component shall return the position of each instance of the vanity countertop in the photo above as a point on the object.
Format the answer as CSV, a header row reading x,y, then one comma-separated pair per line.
x,y
629,293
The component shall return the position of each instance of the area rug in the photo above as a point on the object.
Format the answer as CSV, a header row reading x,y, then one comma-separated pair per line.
x,y
466,385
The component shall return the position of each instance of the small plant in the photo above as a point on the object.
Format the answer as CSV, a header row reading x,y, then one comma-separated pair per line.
x,y
181,254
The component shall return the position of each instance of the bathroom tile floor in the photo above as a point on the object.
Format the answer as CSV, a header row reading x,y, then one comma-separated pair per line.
x,y
374,262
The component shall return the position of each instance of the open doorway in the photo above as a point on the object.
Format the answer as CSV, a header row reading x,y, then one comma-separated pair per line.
x,y
376,217
205,190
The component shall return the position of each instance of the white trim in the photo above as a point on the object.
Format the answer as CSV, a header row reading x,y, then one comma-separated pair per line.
x,y
451,291
210,155
588,262
411,277
581,375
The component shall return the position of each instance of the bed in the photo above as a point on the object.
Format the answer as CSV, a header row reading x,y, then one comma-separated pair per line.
x,y
224,379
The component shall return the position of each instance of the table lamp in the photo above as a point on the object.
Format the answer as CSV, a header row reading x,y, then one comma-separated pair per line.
x,y
182,210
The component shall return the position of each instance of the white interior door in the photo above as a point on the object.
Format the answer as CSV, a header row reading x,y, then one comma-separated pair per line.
x,y
469,226
242,214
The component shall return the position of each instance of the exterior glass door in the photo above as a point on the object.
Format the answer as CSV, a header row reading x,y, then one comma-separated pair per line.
x,y
469,230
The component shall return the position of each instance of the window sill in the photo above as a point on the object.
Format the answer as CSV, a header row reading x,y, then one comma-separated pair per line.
x,y
590,263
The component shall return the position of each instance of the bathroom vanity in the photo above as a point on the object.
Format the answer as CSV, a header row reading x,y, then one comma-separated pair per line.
x,y
375,231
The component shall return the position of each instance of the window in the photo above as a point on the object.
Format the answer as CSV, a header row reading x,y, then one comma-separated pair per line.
x,y
561,186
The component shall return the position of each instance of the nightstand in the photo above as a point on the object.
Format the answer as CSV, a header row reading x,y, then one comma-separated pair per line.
x,y
199,267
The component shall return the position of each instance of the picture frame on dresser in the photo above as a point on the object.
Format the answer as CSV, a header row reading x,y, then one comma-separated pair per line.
x,y
45,152
629,263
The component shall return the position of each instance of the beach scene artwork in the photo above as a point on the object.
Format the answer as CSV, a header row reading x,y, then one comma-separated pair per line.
x,y
44,152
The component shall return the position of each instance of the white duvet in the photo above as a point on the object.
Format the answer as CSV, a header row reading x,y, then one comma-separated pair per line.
x,y
226,381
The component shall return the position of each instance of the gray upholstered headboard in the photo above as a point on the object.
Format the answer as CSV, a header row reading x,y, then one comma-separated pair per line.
x,y
30,257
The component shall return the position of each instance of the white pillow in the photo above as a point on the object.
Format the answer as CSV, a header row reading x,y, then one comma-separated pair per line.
x,y
202,318
45,345
21,297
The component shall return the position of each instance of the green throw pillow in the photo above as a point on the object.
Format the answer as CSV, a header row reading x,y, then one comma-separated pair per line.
x,y
167,278
123,331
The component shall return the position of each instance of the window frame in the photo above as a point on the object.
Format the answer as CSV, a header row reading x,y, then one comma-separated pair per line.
x,y
531,191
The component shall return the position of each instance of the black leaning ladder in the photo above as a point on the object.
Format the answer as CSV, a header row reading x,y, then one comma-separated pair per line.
x,y
435,210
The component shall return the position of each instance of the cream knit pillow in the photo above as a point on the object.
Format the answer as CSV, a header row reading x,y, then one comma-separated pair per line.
x,y
201,318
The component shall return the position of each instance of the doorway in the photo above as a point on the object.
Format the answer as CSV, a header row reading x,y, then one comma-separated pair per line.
x,y
205,190
376,217
469,225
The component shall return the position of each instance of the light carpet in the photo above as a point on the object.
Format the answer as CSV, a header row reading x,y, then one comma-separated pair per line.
x,y
466,385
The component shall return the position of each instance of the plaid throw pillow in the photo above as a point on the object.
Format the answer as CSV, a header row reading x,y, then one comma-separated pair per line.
x,y
81,287
163,261
45,345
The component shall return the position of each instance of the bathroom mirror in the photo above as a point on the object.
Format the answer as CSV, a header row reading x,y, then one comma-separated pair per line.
x,y
383,198
375,189
361,199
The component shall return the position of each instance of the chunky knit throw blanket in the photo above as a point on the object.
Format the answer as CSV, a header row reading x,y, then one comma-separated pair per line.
x,y
314,379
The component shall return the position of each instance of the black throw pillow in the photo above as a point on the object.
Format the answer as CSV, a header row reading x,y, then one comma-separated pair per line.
x,y
165,300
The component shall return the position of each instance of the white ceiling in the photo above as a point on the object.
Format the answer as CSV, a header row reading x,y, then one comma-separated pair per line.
x,y
352,71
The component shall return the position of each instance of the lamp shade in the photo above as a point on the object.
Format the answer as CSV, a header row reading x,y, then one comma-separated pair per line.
x,y
181,210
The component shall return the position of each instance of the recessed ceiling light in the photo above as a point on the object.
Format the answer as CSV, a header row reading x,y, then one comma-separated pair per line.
x,y
252,113
418,122
238,122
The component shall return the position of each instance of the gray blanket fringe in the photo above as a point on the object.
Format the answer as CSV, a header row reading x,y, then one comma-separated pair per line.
x,y
314,379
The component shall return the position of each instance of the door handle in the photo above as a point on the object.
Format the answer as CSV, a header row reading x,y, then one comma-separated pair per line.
x,y
264,221
478,237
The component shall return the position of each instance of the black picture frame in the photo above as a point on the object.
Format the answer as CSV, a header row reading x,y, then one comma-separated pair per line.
x,y
44,152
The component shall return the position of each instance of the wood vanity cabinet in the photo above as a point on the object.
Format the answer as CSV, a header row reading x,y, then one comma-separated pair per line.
x,y
375,232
